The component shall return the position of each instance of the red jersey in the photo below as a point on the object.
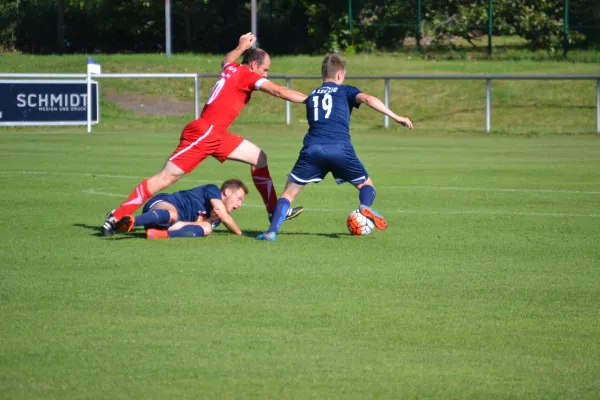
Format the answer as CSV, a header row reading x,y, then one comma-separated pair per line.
x,y
230,95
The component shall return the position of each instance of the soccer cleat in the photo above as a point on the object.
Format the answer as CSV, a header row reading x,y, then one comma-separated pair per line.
x,y
294,212
108,228
270,236
125,224
291,213
153,233
378,220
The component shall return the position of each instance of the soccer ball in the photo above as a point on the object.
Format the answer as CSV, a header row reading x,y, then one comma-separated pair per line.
x,y
359,225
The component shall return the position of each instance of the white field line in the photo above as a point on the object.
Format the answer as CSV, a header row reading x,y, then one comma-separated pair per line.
x,y
456,188
414,212
93,175
491,189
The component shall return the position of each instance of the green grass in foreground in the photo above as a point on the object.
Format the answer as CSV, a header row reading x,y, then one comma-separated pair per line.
x,y
437,107
486,284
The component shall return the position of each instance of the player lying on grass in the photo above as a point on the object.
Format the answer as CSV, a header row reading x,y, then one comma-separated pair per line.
x,y
208,135
327,146
189,213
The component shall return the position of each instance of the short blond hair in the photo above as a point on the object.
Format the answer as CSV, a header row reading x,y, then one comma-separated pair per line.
x,y
332,64
234,184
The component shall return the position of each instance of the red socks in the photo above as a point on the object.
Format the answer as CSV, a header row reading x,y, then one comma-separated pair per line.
x,y
135,200
264,185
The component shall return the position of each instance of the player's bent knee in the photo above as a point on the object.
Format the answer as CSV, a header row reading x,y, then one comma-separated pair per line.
x,y
368,182
207,229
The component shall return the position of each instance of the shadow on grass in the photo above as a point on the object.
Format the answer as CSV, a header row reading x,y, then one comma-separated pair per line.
x,y
254,234
140,234
95,231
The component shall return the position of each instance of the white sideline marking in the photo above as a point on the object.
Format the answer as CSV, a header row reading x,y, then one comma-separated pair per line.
x,y
490,189
414,212
93,175
94,191
457,188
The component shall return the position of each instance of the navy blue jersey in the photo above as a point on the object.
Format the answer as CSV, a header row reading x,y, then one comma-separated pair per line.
x,y
328,110
195,203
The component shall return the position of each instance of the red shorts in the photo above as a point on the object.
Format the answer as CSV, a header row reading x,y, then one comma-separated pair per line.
x,y
199,140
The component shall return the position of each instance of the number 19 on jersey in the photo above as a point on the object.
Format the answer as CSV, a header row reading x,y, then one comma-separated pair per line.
x,y
326,105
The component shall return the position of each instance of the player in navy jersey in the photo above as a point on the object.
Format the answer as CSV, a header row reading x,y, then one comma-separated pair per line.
x,y
327,146
189,213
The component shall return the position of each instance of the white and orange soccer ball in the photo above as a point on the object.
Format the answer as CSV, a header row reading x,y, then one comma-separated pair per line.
x,y
359,225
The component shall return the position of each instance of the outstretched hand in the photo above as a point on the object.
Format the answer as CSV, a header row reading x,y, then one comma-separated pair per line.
x,y
406,122
247,40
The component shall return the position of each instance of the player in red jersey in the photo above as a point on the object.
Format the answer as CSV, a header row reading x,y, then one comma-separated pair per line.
x,y
208,136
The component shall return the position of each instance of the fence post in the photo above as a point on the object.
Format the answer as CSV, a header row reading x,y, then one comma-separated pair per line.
x,y
196,98
288,106
168,28
490,26
253,21
488,106
386,100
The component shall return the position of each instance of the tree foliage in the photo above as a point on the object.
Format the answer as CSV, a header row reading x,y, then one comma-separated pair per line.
x,y
285,26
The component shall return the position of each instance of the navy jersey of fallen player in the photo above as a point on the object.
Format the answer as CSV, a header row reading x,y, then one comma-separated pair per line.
x,y
195,203
328,110
192,204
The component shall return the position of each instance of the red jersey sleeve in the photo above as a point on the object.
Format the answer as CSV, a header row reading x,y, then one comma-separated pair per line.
x,y
248,80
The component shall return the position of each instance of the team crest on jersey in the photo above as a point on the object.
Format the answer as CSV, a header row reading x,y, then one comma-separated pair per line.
x,y
201,216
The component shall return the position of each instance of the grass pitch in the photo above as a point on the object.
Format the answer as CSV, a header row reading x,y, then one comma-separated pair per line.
x,y
485,285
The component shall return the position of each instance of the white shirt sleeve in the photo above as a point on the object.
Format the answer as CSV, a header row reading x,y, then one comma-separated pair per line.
x,y
260,82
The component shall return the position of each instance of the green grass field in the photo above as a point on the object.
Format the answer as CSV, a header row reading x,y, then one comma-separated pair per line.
x,y
486,285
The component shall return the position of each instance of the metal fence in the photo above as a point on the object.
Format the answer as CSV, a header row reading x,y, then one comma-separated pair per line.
x,y
386,80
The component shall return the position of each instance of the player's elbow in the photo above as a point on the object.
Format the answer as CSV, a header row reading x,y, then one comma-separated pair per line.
x,y
369,100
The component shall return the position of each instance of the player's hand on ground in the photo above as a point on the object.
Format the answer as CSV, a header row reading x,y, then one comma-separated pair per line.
x,y
406,122
247,40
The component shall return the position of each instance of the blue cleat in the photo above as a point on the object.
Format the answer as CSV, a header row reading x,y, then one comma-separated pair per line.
x,y
378,220
270,236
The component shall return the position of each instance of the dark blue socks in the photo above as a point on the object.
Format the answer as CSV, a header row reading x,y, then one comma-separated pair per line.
x,y
366,195
281,209
154,217
187,231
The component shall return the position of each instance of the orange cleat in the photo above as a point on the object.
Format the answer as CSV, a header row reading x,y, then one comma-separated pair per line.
x,y
378,220
154,233
125,224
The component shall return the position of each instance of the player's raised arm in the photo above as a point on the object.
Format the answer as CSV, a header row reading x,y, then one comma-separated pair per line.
x,y
282,92
246,42
224,216
378,105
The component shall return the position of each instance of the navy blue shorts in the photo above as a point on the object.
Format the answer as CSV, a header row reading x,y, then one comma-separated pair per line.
x,y
316,161
157,199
